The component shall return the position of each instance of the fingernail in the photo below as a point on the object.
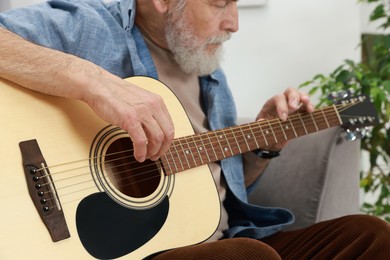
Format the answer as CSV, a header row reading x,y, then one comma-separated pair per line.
x,y
294,104
284,116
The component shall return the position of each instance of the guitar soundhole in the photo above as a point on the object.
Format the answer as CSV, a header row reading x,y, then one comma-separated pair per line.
x,y
130,177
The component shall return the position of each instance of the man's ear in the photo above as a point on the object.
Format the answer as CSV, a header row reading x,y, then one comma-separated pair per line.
x,y
161,6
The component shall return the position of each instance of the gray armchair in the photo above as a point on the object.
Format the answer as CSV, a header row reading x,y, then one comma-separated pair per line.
x,y
316,177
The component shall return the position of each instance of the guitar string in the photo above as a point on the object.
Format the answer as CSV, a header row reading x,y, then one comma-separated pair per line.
x,y
99,186
94,187
116,166
132,176
194,142
105,169
112,167
121,158
264,127
173,147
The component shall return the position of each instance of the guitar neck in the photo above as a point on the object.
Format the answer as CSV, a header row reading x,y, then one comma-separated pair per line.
x,y
195,150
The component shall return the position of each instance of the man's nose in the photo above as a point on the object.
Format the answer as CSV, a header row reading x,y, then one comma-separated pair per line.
x,y
230,21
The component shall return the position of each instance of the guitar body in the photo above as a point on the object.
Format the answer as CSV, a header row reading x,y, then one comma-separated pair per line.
x,y
102,220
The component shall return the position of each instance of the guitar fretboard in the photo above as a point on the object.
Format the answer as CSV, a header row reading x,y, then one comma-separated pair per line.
x,y
195,150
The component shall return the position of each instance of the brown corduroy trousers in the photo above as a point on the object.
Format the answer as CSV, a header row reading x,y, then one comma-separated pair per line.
x,y
350,237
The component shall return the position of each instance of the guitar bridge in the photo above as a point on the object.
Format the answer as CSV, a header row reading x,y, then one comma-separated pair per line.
x,y
42,190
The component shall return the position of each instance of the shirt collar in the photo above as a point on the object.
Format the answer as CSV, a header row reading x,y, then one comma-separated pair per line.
x,y
128,12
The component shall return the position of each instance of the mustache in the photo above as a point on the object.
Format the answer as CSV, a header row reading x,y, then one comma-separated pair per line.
x,y
219,39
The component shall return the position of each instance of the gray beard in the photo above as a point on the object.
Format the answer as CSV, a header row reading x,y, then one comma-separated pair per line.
x,y
188,51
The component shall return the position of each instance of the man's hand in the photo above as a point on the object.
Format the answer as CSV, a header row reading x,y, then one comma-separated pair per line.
x,y
139,112
281,106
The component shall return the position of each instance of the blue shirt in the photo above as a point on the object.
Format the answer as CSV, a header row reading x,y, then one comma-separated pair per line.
x,y
105,34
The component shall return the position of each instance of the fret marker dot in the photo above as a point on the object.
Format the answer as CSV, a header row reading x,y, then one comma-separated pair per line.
x,y
187,152
267,132
248,136
200,148
220,137
226,149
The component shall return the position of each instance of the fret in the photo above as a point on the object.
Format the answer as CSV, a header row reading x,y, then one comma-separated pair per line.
x,y
198,149
220,146
204,150
185,153
249,137
282,129
228,143
332,116
277,130
273,133
326,120
254,136
240,139
177,156
320,120
288,129
303,124
212,147
190,152
235,138
263,135
173,159
308,120
292,126
226,146
298,125
166,164
194,150
314,121
339,122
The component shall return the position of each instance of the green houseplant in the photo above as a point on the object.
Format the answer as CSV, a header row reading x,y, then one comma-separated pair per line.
x,y
371,76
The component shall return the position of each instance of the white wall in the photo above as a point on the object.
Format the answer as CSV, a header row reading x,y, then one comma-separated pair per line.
x,y
286,43
282,44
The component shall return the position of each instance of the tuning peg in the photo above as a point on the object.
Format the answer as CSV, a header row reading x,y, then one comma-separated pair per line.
x,y
362,120
350,136
360,133
332,96
356,134
343,94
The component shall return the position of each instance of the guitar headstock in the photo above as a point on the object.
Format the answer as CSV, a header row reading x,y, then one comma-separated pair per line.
x,y
357,113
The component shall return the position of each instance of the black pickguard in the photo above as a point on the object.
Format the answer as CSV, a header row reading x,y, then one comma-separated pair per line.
x,y
108,230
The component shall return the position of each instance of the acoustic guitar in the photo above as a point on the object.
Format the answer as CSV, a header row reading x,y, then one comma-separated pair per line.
x,y
71,188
